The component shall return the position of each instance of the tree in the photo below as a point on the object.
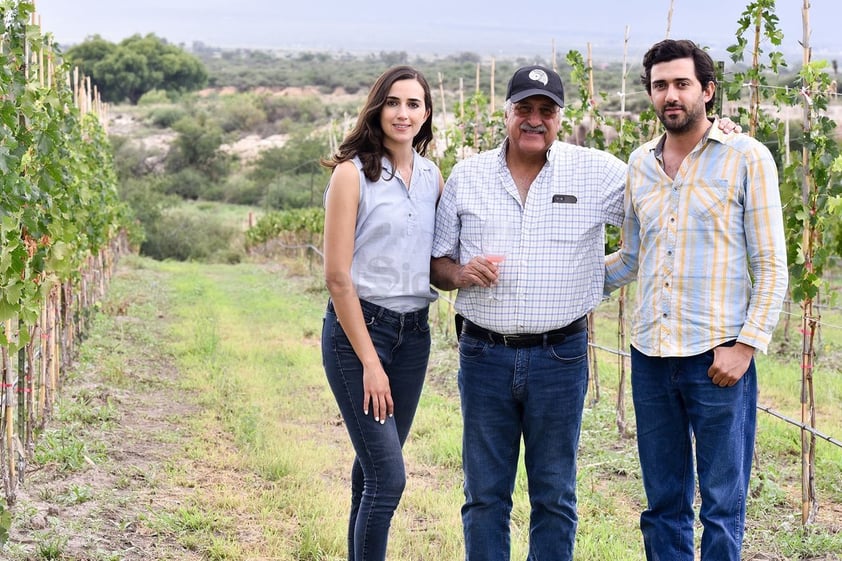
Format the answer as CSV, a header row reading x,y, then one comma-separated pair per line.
x,y
87,54
137,65
122,75
197,147
300,155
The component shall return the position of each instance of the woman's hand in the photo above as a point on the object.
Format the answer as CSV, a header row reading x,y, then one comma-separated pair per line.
x,y
377,394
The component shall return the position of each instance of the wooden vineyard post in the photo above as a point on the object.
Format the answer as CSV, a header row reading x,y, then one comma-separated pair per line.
x,y
477,122
443,103
808,320
622,426
22,385
491,82
9,468
591,91
594,359
43,364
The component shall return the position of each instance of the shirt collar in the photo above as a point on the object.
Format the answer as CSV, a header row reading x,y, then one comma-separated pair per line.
x,y
418,162
713,133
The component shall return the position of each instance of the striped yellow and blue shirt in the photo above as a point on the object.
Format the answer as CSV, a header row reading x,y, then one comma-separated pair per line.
x,y
707,248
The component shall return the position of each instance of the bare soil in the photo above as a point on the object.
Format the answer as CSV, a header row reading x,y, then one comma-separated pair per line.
x,y
139,462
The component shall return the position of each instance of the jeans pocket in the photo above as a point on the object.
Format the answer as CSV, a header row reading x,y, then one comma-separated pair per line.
x,y
470,347
572,350
338,337
369,318
558,353
340,340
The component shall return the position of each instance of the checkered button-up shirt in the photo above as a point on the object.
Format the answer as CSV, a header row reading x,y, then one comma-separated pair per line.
x,y
554,269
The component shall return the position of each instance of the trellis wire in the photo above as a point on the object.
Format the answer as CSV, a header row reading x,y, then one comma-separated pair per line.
x,y
446,325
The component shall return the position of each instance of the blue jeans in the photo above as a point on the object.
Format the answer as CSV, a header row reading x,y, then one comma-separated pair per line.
x,y
537,393
675,402
378,476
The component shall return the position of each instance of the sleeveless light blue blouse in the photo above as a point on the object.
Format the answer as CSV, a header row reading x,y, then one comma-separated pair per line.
x,y
394,237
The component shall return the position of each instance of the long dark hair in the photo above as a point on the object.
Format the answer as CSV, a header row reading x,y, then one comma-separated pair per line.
x,y
366,138
671,49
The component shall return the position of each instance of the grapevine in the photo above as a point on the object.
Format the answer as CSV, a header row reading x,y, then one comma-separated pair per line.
x,y
59,218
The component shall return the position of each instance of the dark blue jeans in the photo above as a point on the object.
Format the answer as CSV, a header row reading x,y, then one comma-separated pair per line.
x,y
536,393
678,408
378,476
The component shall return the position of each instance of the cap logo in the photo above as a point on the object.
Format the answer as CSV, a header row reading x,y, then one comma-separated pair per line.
x,y
539,76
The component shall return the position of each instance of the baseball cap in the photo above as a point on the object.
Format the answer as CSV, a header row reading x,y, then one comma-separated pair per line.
x,y
535,80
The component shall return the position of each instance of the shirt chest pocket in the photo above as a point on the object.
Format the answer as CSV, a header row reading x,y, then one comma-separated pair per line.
x,y
708,198
567,222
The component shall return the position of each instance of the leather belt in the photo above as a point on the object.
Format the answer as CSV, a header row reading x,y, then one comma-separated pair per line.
x,y
553,337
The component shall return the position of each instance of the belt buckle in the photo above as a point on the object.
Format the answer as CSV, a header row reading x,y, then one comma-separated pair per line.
x,y
509,339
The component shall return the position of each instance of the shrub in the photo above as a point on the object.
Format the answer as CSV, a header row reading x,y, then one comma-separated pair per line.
x,y
154,97
239,112
240,190
292,191
147,201
184,237
166,116
187,183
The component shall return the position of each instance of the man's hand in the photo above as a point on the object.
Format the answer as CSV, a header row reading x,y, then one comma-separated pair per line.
x,y
446,274
728,126
479,271
730,364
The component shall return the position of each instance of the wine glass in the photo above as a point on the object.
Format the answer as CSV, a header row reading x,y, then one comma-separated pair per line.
x,y
497,242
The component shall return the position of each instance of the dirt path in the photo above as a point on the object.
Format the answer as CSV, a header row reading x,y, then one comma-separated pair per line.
x,y
124,404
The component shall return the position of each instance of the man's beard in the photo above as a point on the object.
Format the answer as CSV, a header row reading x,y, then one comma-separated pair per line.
x,y
682,122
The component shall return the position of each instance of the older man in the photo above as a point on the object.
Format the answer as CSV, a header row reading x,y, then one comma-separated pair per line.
x,y
523,352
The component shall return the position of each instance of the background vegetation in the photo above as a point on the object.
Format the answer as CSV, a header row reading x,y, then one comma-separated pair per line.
x,y
293,107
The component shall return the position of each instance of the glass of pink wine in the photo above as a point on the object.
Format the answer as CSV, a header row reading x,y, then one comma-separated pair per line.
x,y
497,241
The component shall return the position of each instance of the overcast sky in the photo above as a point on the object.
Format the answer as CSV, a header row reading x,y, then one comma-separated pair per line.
x,y
487,27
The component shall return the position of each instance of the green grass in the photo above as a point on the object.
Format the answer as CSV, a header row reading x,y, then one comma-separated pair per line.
x,y
245,338
67,448
262,333
248,338
774,510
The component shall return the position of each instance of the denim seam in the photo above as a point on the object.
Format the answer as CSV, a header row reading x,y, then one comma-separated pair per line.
x,y
742,499
359,428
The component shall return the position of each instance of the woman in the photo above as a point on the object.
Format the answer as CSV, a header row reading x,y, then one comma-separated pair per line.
x,y
379,220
